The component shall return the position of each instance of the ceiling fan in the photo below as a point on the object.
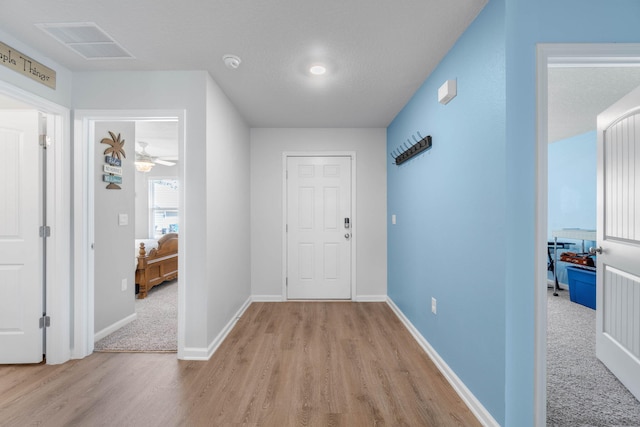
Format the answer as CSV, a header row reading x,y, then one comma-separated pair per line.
x,y
144,161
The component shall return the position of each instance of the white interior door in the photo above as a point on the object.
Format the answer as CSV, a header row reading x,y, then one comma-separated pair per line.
x,y
618,264
319,227
21,248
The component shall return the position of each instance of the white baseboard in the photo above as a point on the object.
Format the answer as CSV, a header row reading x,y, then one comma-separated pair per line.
x,y
460,388
112,328
227,329
267,298
196,353
370,298
280,298
552,283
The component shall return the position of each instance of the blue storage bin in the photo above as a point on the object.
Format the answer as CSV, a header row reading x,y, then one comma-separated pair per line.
x,y
582,286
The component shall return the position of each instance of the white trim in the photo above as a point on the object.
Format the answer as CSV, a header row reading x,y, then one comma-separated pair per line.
x,y
195,353
354,214
556,55
540,299
114,327
590,54
267,298
460,388
370,298
58,245
83,219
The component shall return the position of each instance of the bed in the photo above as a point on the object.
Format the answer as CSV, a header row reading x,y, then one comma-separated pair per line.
x,y
156,265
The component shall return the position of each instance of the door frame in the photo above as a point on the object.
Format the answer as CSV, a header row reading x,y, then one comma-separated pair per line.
x,y
354,216
83,224
58,286
578,54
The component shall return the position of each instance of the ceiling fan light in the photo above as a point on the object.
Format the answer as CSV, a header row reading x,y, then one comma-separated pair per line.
x,y
144,162
144,165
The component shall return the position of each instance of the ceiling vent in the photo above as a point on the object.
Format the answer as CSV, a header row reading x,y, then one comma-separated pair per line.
x,y
87,40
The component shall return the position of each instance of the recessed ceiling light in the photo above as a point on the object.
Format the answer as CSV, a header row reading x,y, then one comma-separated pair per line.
x,y
318,70
231,61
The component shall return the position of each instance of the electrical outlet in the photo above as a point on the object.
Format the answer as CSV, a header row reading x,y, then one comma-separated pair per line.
x,y
124,284
434,305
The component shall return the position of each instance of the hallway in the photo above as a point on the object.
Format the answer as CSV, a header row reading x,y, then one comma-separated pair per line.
x,y
297,363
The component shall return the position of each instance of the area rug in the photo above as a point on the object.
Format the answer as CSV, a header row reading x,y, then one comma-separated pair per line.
x,y
580,389
155,328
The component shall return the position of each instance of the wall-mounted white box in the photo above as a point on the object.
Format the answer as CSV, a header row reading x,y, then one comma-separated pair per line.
x,y
447,91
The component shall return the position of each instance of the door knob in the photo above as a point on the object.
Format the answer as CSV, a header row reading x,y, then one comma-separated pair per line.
x,y
347,235
594,251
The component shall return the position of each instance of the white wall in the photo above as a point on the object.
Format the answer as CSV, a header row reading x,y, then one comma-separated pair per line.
x,y
114,244
61,95
228,204
267,147
215,194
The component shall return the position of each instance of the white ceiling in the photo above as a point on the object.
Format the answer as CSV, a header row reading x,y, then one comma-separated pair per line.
x,y
378,52
578,94
161,137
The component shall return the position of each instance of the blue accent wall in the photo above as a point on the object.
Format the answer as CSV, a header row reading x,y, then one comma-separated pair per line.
x,y
572,183
449,202
571,192
466,223
528,23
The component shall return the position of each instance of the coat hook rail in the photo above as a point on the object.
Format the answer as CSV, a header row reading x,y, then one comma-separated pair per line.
x,y
406,152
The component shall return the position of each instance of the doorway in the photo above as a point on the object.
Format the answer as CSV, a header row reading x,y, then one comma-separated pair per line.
x,y
569,56
140,317
86,124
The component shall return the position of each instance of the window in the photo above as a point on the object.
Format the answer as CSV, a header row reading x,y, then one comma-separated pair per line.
x,y
163,206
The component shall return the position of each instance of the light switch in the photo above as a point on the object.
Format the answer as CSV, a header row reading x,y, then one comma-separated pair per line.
x,y
393,219
123,219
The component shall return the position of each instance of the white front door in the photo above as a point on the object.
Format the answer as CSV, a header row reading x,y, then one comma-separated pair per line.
x,y
319,227
618,234
21,248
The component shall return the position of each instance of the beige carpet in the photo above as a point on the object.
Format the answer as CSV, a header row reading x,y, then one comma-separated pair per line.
x,y
155,328
580,389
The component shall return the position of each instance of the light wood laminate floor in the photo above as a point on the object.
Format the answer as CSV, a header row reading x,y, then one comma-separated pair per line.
x,y
283,364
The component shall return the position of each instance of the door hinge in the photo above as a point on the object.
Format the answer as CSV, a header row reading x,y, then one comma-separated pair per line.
x,y
286,228
286,281
45,141
45,321
45,231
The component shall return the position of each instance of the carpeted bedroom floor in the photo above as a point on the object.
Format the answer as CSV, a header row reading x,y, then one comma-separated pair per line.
x,y
155,328
580,389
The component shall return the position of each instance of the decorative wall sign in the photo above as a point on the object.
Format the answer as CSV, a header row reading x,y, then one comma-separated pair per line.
x,y
114,154
21,63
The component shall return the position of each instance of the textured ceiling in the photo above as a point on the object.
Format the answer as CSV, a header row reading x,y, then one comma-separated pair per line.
x,y
378,52
578,94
